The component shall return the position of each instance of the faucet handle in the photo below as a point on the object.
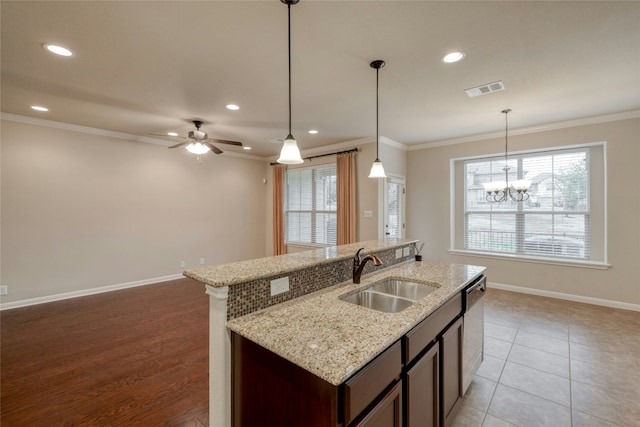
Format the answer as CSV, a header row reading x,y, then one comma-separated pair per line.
x,y
357,255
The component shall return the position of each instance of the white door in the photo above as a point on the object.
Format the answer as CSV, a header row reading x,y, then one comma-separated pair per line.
x,y
393,219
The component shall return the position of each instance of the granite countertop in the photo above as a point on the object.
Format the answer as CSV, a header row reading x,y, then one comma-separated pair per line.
x,y
332,338
244,271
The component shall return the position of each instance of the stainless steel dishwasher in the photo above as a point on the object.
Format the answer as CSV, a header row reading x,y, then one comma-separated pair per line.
x,y
473,330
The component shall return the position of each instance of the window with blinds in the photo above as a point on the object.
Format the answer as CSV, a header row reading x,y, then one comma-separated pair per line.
x,y
555,222
310,206
394,225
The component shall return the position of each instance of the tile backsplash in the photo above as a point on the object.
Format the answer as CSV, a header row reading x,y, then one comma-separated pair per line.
x,y
245,298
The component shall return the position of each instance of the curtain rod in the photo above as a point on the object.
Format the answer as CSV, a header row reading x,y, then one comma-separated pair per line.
x,y
353,150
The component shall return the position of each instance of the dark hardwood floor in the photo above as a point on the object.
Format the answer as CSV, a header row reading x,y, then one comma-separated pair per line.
x,y
136,357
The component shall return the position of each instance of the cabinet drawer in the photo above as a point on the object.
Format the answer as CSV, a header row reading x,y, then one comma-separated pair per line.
x,y
362,389
427,331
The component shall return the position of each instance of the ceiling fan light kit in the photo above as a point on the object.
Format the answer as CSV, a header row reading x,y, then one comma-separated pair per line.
x,y
198,142
197,148
377,170
290,153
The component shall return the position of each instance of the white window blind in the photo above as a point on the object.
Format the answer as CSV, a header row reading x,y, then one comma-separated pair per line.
x,y
556,220
310,205
394,223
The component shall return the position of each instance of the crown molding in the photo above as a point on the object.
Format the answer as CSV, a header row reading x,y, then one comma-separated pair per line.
x,y
531,129
102,132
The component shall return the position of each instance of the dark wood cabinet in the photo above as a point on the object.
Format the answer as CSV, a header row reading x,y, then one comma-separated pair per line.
x,y
268,390
386,413
364,387
422,385
451,369
416,382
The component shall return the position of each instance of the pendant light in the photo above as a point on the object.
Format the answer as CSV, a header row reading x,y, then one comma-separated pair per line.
x,y
290,154
377,170
501,191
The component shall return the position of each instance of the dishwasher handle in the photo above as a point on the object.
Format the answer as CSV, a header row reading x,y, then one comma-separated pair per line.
x,y
474,293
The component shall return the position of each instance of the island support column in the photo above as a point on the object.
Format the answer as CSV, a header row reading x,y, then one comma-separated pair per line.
x,y
219,358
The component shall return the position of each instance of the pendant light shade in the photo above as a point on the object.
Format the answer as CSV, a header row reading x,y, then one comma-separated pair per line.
x,y
290,154
377,170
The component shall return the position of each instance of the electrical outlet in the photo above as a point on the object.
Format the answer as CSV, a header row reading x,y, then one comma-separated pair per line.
x,y
183,264
405,251
280,285
398,253
201,261
4,290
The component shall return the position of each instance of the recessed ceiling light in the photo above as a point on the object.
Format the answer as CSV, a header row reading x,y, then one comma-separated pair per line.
x,y
39,108
313,131
232,107
58,50
246,148
172,134
453,57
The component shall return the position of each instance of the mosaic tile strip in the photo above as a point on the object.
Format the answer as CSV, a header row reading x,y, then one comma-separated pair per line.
x,y
253,295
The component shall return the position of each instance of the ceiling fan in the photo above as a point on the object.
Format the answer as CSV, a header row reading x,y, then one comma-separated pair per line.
x,y
198,142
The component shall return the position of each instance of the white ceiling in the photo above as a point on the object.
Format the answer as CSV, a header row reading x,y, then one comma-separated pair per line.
x,y
148,67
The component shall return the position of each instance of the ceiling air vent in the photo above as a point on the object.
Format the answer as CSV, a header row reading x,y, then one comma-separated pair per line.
x,y
485,89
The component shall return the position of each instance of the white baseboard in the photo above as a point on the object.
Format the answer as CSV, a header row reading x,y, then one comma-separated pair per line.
x,y
85,292
568,297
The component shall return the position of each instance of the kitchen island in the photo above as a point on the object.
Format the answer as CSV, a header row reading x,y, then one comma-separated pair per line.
x,y
243,287
309,326
332,338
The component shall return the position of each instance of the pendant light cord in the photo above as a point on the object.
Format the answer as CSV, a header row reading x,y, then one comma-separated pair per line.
x,y
506,135
289,37
377,137
506,146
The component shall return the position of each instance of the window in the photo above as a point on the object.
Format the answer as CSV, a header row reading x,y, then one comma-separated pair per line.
x,y
310,206
563,219
394,207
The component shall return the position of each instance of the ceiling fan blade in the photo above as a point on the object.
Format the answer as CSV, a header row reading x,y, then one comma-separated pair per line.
x,y
224,141
180,144
164,135
213,148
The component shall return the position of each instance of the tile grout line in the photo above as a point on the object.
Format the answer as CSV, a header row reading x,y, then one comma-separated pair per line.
x,y
500,376
570,376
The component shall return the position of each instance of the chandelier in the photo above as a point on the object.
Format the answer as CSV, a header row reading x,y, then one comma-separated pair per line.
x,y
501,191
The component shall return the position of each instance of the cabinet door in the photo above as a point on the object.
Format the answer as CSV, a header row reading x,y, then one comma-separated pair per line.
x,y
451,371
388,411
422,390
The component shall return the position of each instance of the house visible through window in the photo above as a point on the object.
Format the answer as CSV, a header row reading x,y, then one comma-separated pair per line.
x,y
310,206
562,219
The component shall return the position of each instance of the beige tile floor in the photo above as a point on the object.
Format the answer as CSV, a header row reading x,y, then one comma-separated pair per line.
x,y
550,362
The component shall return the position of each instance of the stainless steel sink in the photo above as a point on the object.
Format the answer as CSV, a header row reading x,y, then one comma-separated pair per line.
x,y
390,295
378,301
403,288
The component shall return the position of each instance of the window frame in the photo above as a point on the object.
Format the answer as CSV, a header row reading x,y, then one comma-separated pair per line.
x,y
458,212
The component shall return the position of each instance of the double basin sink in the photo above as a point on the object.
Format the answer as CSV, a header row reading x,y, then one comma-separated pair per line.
x,y
390,295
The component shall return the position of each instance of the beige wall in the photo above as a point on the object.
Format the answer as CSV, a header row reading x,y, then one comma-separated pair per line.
x,y
428,212
83,211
